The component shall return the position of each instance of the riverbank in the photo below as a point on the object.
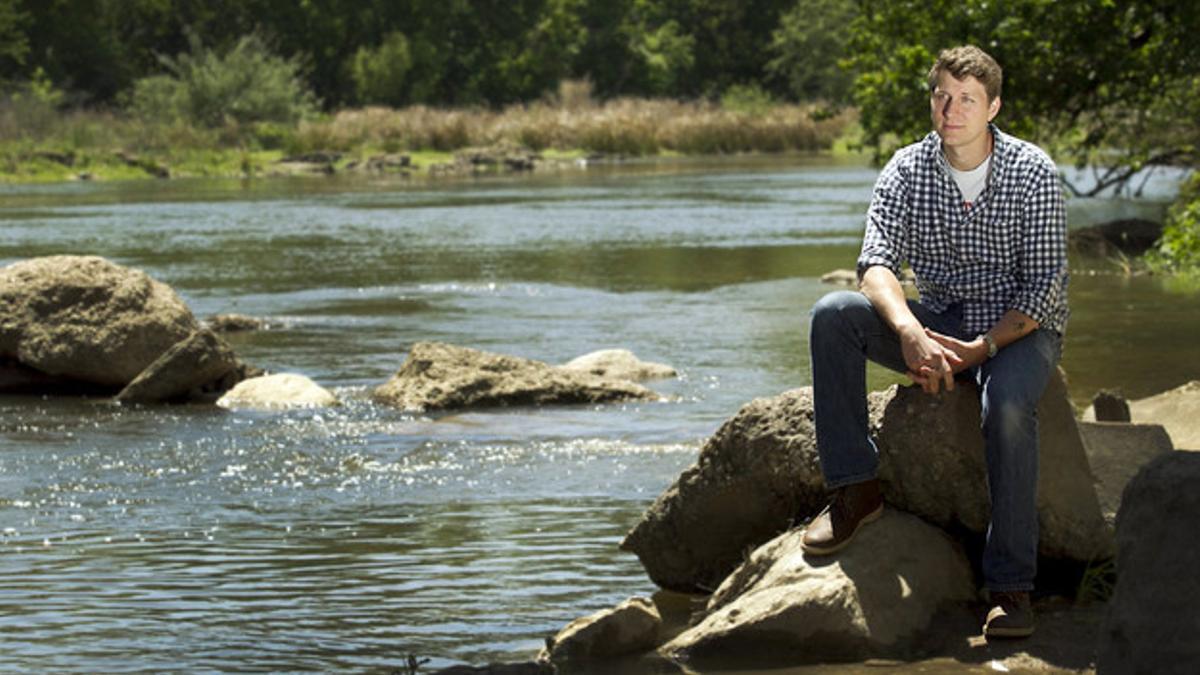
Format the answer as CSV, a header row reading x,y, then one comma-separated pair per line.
x,y
39,144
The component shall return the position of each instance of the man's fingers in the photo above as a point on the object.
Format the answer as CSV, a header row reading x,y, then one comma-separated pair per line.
x,y
948,378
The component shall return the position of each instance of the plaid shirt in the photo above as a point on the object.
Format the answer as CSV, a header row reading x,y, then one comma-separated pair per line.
x,y
1007,251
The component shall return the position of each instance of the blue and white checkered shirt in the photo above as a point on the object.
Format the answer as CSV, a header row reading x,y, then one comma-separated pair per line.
x,y
1007,251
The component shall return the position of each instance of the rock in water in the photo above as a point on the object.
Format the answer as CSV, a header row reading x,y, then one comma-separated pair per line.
x,y
628,629
190,364
87,319
1153,622
438,376
619,363
277,392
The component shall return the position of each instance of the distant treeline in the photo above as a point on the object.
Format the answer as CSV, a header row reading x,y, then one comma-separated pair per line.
x,y
441,52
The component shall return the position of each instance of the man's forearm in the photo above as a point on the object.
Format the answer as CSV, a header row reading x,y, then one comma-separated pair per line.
x,y
883,289
1011,327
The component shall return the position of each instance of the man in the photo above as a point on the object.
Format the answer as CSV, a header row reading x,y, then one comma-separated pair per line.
x,y
980,218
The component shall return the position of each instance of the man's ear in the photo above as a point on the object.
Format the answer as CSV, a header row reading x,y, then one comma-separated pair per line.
x,y
993,108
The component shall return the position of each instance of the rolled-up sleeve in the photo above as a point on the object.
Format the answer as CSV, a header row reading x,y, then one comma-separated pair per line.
x,y
1042,272
887,219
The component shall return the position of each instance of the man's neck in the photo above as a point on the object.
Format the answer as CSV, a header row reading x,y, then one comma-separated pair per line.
x,y
965,159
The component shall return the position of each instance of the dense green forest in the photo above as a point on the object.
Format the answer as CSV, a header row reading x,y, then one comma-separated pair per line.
x,y
1108,83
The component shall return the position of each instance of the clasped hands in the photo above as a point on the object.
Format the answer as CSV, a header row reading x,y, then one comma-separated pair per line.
x,y
933,359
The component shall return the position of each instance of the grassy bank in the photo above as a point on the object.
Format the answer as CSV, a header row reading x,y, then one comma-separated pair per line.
x,y
39,143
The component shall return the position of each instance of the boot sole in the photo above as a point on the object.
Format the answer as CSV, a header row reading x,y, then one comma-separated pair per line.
x,y
827,550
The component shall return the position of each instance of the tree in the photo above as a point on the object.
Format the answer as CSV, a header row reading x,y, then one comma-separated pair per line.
x,y
13,44
1091,80
807,47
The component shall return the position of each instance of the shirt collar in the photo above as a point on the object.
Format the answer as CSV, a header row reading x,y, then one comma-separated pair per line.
x,y
1000,151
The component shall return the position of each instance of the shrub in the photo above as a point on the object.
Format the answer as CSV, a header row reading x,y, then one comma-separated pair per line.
x,y
241,86
1179,248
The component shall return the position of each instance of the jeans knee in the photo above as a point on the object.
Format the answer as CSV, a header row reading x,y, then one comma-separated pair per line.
x,y
1010,417
831,305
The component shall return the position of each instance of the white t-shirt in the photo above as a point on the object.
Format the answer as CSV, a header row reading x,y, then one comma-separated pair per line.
x,y
971,183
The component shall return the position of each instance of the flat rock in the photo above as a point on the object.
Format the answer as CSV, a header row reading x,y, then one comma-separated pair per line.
x,y
875,598
1178,410
1153,625
1116,451
277,392
619,363
85,318
189,364
438,376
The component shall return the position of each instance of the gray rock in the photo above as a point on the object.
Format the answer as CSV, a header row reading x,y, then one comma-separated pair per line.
x,y
235,323
190,364
753,475
1131,236
87,319
438,376
1109,406
1116,452
628,629
280,391
1153,624
619,363
760,473
875,598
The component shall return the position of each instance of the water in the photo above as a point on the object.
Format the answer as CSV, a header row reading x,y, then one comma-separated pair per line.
x,y
189,538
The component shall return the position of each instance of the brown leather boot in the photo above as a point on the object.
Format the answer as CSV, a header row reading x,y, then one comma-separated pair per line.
x,y
851,507
1011,615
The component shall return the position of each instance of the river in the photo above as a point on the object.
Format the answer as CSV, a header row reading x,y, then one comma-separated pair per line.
x,y
189,538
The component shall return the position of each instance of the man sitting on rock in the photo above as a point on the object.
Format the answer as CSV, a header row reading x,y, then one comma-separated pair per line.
x,y
980,218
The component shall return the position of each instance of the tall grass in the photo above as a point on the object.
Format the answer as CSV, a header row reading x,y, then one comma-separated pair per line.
x,y
622,126
35,135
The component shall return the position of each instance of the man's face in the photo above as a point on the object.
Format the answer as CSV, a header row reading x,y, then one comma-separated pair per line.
x,y
961,110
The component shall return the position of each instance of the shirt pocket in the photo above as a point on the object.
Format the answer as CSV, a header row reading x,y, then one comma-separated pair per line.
x,y
994,241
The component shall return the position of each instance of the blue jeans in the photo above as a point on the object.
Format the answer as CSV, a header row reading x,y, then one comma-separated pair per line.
x,y
846,331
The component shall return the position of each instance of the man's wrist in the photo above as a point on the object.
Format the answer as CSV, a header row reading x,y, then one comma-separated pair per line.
x,y
989,344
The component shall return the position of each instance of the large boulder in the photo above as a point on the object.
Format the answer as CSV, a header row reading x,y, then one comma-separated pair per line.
x,y
753,475
87,319
619,363
1153,622
876,598
280,391
760,473
439,376
189,365
932,464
